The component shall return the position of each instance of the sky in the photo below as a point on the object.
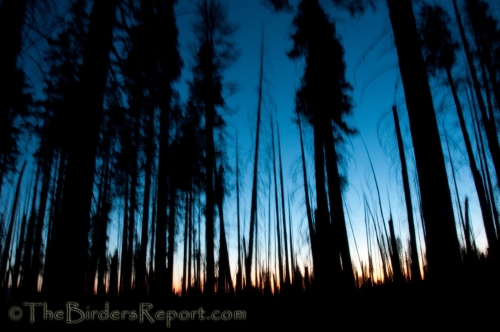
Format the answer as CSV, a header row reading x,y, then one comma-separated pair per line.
x,y
372,71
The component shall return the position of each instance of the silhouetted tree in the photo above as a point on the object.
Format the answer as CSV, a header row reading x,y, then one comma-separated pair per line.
x,y
215,53
163,70
323,100
253,207
283,215
146,70
443,251
310,221
70,231
279,251
486,119
14,101
415,266
440,49
6,250
442,243
486,32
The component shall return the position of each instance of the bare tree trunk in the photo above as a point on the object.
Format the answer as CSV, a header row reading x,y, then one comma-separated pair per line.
x,y
160,288
283,214
125,273
338,223
55,215
278,233
225,282
184,255
19,251
103,233
291,242
171,240
253,208
310,224
6,247
94,245
191,240
443,251
478,181
461,215
30,237
396,263
415,265
210,201
239,274
198,254
113,276
485,52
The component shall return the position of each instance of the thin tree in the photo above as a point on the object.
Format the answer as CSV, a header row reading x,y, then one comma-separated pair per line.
x,y
239,273
415,264
253,207
310,222
6,252
279,253
283,214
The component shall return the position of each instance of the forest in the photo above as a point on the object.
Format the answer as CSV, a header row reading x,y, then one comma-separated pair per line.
x,y
128,178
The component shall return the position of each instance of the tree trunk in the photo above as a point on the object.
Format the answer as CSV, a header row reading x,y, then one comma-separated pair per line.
x,y
278,233
253,208
132,231
210,201
338,223
103,232
12,16
70,233
415,265
171,240
6,247
191,240
443,251
283,214
225,283
312,231
141,266
30,237
488,124
161,206
478,181
125,272
19,251
395,261
239,274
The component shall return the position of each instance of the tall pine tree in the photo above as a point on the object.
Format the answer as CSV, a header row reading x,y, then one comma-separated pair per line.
x,y
323,99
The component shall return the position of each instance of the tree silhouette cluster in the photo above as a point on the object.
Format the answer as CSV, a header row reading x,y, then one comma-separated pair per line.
x,y
116,143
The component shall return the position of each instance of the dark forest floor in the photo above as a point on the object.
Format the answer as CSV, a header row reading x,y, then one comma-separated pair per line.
x,y
390,307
